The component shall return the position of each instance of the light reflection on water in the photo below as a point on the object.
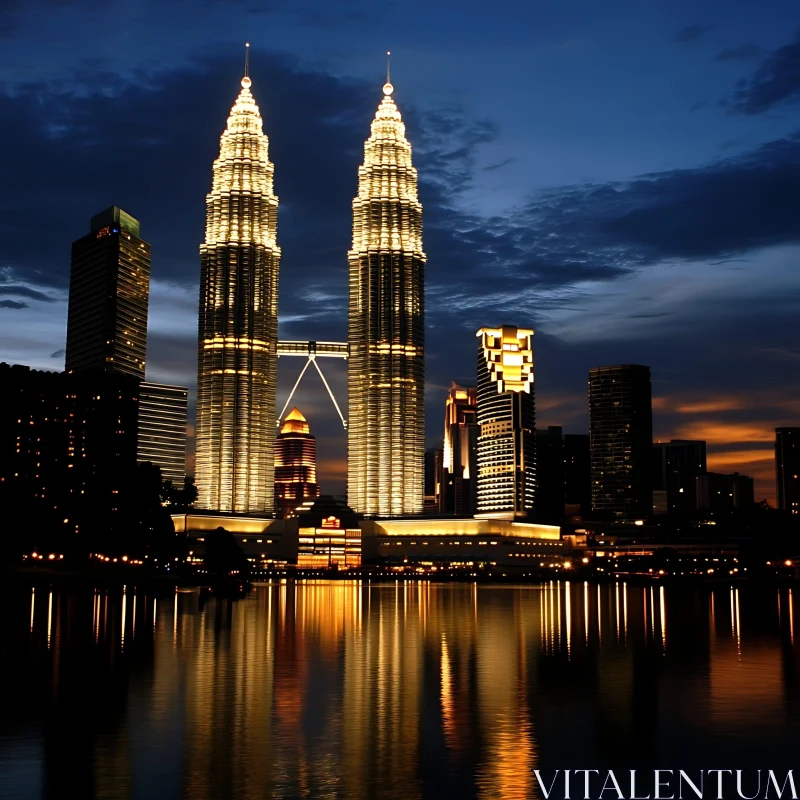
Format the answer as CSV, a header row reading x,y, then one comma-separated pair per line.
x,y
404,690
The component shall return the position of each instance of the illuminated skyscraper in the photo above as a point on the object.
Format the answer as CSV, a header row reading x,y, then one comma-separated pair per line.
x,y
238,327
621,439
507,420
295,465
386,372
458,493
109,288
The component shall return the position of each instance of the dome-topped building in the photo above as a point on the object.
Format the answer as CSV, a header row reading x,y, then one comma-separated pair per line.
x,y
295,465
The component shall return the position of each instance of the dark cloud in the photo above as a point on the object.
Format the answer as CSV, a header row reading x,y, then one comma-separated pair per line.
x,y
744,52
691,33
537,257
17,290
12,304
776,82
505,162
728,207
58,354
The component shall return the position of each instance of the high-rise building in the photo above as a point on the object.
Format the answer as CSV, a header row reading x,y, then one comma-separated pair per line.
x,y
67,452
386,368
577,475
108,294
295,465
507,421
676,465
238,325
162,429
720,493
621,439
459,491
550,478
434,479
787,468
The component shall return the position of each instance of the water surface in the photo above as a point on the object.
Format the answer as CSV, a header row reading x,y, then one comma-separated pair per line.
x,y
388,691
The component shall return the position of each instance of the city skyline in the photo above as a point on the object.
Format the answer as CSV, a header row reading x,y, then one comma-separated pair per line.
x,y
696,364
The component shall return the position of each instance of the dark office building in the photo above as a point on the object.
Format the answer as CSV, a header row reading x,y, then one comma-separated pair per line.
x,y
67,452
717,493
162,429
458,492
676,466
108,295
620,438
434,473
550,473
787,468
577,475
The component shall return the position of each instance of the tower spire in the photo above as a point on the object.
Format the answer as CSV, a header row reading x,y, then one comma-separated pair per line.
x,y
387,87
247,59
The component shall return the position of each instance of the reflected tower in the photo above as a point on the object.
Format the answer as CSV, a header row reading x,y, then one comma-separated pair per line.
x,y
386,370
238,326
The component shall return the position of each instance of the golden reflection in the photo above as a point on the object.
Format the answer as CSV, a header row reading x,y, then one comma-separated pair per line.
x,y
122,627
49,617
568,600
586,610
347,689
652,612
33,604
599,619
449,722
624,609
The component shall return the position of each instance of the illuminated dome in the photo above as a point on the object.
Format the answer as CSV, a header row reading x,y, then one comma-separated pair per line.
x,y
295,422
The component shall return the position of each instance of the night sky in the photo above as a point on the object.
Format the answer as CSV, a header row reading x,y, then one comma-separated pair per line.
x,y
622,176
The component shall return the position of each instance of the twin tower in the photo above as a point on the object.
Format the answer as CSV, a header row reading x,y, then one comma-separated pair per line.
x,y
238,324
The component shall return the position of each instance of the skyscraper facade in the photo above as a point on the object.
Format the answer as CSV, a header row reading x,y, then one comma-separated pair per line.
x,y
386,368
295,465
507,420
458,494
68,453
109,290
787,469
238,321
718,493
162,429
577,475
621,439
550,483
676,467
